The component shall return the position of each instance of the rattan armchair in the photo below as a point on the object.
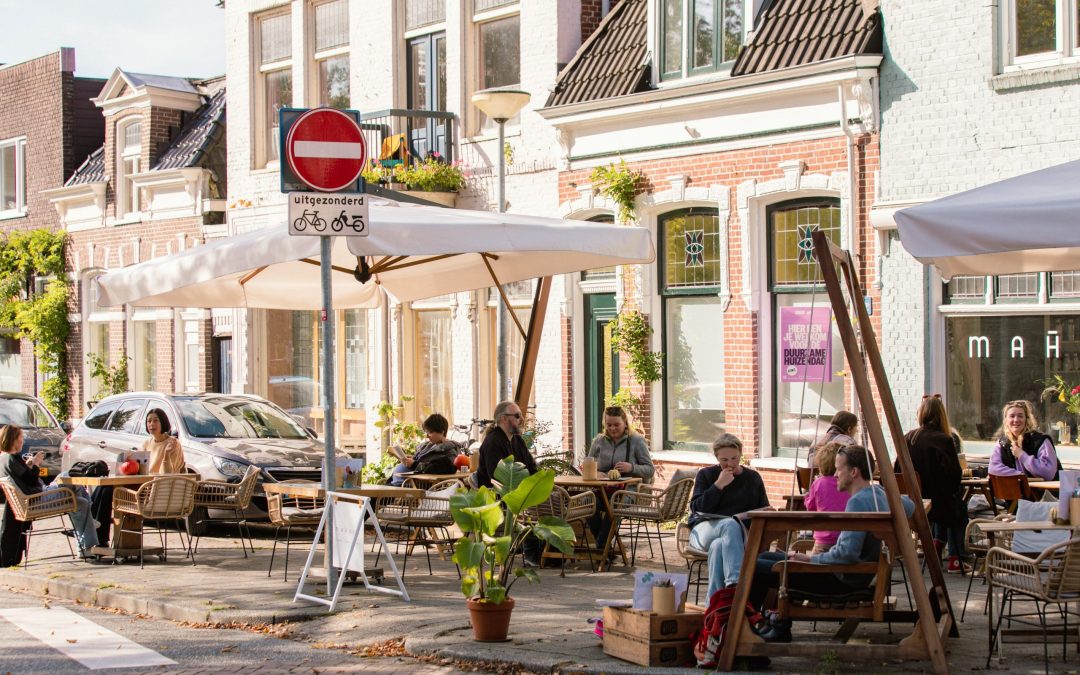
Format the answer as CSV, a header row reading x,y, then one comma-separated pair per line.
x,y
168,498
28,509
288,511
1052,578
651,505
423,520
576,510
695,558
977,543
221,496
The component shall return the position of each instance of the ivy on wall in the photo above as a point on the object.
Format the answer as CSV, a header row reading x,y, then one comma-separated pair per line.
x,y
39,315
630,333
621,185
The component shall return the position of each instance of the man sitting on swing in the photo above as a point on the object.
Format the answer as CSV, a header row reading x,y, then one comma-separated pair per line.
x,y
854,467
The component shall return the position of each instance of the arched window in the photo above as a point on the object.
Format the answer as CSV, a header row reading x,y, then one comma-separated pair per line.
x,y
693,327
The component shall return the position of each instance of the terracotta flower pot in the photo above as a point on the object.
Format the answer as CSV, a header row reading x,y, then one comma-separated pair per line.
x,y
490,622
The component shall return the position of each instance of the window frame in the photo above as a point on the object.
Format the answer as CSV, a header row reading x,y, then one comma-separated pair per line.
x,y
686,69
261,72
1066,38
476,119
318,56
20,209
128,205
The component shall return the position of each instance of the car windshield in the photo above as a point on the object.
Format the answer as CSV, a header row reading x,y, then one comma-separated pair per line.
x,y
24,413
228,417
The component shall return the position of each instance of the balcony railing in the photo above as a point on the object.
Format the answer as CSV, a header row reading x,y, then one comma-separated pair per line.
x,y
419,132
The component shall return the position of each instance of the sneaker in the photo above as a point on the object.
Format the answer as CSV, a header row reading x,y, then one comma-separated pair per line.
x,y
957,566
68,532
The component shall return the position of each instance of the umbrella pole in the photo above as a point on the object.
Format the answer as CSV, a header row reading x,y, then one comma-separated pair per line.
x,y
329,463
532,343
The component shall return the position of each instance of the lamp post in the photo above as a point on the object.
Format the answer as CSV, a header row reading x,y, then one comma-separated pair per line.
x,y
500,105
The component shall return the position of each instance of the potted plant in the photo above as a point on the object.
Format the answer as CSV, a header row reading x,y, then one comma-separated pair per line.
x,y
435,180
493,526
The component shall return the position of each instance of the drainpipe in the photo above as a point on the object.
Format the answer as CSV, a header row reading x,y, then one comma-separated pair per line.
x,y
853,205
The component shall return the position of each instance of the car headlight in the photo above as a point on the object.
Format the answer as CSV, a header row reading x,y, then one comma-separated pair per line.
x,y
229,468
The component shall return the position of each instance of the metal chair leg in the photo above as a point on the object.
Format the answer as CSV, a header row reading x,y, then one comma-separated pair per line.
x,y
273,551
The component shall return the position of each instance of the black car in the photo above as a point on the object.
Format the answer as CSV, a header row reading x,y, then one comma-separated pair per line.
x,y
41,431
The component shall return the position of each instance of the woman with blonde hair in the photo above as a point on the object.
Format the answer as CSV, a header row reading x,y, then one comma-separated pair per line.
x,y
824,495
1022,450
935,454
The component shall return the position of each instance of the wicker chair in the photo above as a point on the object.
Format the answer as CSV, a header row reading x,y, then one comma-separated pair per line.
x,y
235,497
695,558
576,510
31,508
421,519
651,505
1053,578
978,543
289,512
161,499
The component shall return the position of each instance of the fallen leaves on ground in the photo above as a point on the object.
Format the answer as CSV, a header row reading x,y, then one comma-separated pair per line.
x,y
391,647
282,630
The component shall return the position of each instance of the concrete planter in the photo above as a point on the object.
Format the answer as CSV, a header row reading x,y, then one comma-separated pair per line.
x,y
448,199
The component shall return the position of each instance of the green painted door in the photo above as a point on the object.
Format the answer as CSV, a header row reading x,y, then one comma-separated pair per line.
x,y
601,361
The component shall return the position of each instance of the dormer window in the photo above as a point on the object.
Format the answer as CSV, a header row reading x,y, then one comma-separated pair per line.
x,y
700,36
128,154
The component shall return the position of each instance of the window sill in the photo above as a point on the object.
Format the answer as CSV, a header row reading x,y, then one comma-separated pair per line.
x,y
1035,77
130,219
684,457
11,215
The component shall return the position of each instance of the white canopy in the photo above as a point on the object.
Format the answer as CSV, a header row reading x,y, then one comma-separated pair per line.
x,y
412,251
1030,223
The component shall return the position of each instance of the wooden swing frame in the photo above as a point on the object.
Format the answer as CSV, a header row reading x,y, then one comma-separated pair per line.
x,y
935,622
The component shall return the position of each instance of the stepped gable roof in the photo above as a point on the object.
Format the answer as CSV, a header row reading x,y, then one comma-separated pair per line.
x,y
196,136
797,32
613,61
92,170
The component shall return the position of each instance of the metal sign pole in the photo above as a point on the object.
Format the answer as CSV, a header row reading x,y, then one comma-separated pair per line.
x,y
328,334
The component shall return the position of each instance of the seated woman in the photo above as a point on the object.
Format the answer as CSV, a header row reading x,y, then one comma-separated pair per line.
x,y
722,492
621,449
842,428
825,495
24,474
166,455
1021,449
935,453
435,455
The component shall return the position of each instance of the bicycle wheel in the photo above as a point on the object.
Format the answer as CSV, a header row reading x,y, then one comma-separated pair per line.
x,y
319,224
337,224
300,224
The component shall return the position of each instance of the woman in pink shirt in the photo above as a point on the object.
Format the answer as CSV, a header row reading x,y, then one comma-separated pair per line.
x,y
824,495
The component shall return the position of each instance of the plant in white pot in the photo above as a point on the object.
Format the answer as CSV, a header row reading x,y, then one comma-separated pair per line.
x,y
495,523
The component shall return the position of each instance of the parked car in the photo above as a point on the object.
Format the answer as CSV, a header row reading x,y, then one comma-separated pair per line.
x,y
41,431
221,434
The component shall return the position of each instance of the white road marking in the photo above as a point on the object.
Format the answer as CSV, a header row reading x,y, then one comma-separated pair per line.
x,y
81,639
327,149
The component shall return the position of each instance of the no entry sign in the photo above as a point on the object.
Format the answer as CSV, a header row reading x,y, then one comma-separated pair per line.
x,y
325,149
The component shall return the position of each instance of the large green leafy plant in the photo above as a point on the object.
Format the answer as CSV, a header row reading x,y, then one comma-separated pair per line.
x,y
493,526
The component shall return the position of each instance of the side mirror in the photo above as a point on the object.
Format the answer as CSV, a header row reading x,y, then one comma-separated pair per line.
x,y
312,432
66,427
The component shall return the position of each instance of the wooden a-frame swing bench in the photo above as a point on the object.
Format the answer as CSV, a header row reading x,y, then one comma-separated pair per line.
x,y
933,616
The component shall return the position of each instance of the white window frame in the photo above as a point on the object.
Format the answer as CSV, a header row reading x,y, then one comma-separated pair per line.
x,y
19,143
722,69
127,195
94,315
318,56
147,320
1067,39
476,118
262,125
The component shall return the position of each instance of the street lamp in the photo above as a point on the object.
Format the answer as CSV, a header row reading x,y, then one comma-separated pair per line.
x,y
500,105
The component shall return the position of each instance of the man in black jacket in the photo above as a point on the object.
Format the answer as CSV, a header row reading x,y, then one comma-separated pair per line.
x,y
720,493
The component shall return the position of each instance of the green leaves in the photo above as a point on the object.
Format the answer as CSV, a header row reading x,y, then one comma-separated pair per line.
x,y
532,491
468,554
557,532
476,511
509,474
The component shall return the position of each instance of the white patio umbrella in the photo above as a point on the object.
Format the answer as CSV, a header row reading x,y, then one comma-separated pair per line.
x,y
412,251
1029,223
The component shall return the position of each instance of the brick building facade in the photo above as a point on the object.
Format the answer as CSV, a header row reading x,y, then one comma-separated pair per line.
x,y
48,126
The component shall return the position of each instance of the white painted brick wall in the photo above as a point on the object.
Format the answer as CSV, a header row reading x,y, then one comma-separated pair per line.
x,y
902,336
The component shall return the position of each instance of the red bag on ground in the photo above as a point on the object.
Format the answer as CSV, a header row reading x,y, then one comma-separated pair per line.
x,y
710,639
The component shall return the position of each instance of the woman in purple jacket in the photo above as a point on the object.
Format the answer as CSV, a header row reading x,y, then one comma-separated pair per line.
x,y
1021,449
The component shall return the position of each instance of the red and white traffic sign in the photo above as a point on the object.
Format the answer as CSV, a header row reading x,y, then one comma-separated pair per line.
x,y
325,149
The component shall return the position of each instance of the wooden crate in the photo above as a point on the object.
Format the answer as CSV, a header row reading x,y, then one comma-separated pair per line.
x,y
649,639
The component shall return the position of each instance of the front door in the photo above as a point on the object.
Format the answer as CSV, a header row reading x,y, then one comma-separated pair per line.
x,y
427,91
601,360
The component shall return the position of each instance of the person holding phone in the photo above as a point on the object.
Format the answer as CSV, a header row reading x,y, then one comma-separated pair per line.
x,y
1022,450
25,475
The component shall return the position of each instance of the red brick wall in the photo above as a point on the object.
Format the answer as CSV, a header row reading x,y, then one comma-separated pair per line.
x,y
591,15
742,331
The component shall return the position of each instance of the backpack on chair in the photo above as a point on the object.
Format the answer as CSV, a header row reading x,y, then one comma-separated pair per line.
x,y
710,640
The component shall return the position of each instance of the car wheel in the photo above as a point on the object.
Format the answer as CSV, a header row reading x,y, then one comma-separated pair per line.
x,y
195,524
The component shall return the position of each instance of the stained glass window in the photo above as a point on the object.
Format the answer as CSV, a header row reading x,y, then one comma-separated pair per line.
x,y
691,249
792,245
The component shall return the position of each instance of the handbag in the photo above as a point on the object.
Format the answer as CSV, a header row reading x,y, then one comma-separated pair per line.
x,y
95,469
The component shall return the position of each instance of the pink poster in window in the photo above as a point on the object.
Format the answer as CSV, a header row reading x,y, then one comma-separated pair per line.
x,y
805,344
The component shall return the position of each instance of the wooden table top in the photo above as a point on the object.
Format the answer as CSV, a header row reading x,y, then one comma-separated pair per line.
x,y
434,477
126,481
315,490
1044,484
578,481
974,482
